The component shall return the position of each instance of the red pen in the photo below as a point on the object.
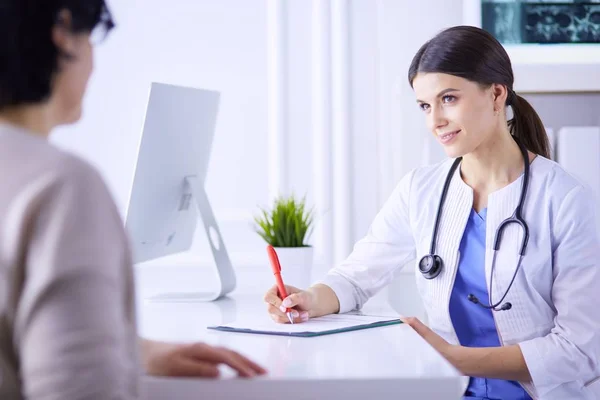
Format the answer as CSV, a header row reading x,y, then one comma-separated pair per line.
x,y
277,272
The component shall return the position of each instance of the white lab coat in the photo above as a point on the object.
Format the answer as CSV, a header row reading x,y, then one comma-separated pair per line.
x,y
555,315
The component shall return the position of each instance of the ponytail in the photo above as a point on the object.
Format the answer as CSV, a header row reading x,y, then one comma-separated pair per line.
x,y
527,126
476,55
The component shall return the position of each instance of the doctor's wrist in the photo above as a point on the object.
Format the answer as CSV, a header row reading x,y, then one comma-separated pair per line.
x,y
323,300
455,355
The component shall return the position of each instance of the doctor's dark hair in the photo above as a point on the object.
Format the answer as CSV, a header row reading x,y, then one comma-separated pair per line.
x,y
29,58
474,54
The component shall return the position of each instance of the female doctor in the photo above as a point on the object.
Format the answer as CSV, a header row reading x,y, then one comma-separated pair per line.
x,y
504,239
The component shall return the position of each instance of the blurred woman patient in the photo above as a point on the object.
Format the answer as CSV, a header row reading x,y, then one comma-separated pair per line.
x,y
67,323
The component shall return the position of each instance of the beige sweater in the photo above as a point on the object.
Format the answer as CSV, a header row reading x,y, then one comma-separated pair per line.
x,y
67,320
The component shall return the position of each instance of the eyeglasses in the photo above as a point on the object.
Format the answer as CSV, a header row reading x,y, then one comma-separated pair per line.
x,y
102,28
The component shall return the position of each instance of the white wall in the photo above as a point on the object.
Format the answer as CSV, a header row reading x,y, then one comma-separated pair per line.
x,y
218,45
222,45
365,132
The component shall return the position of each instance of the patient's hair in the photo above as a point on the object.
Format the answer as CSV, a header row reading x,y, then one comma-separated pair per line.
x,y
474,54
28,56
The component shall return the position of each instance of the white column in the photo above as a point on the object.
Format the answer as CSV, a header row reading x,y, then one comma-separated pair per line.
x,y
321,131
340,80
384,97
277,98
472,12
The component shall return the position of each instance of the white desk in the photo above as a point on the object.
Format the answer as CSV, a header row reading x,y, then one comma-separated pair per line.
x,y
384,363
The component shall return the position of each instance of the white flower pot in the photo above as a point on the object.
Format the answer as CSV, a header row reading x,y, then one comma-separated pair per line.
x,y
296,265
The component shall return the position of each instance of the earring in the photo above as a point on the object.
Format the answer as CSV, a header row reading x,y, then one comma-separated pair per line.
x,y
495,112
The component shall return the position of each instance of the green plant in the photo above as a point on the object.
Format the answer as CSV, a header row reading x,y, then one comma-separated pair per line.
x,y
287,224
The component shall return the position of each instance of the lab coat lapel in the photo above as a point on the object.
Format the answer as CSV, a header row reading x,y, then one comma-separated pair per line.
x,y
501,205
454,218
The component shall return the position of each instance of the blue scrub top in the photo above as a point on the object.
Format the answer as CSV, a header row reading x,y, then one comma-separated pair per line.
x,y
474,324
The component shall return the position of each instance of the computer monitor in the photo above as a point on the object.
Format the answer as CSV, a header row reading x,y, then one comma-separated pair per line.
x,y
168,194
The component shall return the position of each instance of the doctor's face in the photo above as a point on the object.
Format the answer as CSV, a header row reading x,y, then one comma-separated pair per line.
x,y
458,112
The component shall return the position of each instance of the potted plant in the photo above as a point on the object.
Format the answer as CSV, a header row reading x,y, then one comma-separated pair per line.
x,y
287,227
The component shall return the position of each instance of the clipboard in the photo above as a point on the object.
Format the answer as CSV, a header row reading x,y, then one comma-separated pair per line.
x,y
321,326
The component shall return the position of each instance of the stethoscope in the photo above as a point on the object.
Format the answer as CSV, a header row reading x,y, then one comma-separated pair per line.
x,y
431,264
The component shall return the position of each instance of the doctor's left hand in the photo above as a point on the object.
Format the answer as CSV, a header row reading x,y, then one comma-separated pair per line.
x,y
435,340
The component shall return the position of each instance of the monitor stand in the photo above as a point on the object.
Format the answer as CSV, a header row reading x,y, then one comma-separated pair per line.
x,y
225,273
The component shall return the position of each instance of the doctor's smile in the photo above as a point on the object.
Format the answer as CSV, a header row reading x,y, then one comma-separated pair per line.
x,y
446,138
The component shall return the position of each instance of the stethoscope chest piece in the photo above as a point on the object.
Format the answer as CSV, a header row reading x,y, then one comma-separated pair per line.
x,y
431,265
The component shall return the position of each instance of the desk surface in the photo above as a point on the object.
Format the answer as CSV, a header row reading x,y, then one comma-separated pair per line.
x,y
386,362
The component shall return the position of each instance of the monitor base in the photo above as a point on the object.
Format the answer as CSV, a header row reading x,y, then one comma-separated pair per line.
x,y
184,297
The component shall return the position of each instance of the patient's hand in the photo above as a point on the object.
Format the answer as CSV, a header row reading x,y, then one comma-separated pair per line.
x,y
197,359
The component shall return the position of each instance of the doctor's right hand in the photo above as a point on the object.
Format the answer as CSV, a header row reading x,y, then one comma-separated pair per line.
x,y
301,302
